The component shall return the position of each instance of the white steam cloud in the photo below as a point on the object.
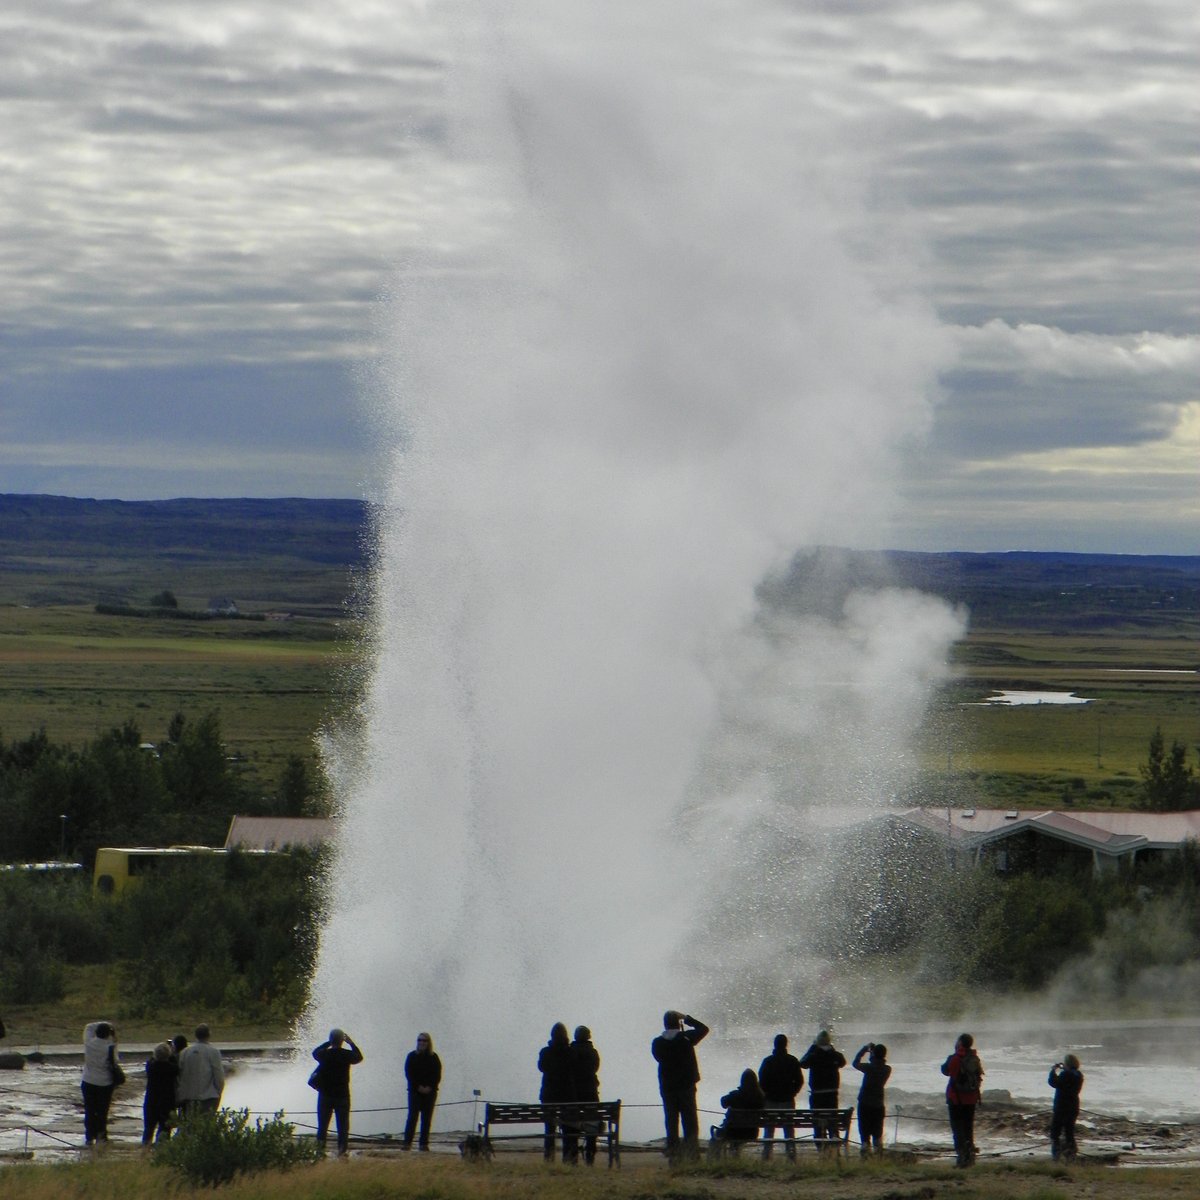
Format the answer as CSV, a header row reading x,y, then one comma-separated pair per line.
x,y
675,353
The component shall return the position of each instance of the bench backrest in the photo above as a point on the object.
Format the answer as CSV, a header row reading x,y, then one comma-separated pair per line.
x,y
566,1111
803,1118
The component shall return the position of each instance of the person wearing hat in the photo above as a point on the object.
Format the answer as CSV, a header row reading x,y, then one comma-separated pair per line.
x,y
678,1073
585,1066
824,1064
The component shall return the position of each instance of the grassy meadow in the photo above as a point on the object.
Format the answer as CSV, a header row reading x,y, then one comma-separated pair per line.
x,y
276,683
76,673
642,1177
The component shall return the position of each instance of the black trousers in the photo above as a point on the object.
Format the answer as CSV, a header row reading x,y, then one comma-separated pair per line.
x,y
97,1099
870,1127
962,1126
679,1113
420,1107
1062,1133
337,1106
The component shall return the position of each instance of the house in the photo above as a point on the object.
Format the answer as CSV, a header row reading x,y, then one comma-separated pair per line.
x,y
222,606
278,833
1041,840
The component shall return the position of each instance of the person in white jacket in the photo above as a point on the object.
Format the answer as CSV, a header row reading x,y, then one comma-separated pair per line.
x,y
201,1075
100,1073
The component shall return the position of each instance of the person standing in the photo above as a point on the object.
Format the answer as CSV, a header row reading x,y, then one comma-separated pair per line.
x,y
201,1075
678,1074
585,1066
871,1109
101,1074
781,1078
558,1084
158,1106
824,1064
334,1058
1067,1081
965,1073
423,1073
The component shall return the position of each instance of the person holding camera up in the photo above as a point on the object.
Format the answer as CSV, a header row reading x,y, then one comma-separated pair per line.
x,y
1067,1081
871,1110
678,1073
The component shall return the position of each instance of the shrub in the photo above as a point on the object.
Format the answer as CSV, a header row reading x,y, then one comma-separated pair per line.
x,y
213,1148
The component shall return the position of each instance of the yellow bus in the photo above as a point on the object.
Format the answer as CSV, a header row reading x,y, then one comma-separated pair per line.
x,y
120,867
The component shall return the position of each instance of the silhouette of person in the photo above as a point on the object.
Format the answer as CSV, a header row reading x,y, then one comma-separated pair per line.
x,y
423,1073
1067,1081
965,1073
781,1079
678,1073
557,1066
871,1108
824,1064
747,1097
158,1105
585,1064
335,1057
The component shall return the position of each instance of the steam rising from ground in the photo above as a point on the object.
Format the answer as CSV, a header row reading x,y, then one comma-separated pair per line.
x,y
651,370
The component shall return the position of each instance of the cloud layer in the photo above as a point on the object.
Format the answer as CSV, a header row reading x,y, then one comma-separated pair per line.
x,y
203,204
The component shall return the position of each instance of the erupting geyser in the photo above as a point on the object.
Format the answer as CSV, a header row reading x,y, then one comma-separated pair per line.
x,y
648,371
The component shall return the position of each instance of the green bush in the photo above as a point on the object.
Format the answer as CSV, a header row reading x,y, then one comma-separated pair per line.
x,y
213,1148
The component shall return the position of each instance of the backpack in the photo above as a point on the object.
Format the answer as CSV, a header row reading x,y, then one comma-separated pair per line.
x,y
969,1075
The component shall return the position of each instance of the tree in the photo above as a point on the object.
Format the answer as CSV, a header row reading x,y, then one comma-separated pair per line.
x,y
295,788
1168,782
164,599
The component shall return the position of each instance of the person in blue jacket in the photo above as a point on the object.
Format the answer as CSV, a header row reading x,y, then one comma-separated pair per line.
x,y
1067,1081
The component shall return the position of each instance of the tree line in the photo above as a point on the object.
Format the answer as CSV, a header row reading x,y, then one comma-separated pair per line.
x,y
232,933
59,801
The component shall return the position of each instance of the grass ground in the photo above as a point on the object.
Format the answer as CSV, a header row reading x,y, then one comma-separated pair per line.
x,y
1056,756
76,674
91,995
443,1177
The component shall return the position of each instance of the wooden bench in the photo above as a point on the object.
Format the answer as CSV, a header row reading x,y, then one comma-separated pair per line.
x,y
600,1119
798,1118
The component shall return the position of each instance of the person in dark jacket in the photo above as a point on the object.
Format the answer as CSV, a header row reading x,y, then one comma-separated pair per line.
x,y
824,1064
335,1057
871,1109
557,1066
158,1107
423,1073
747,1097
585,1065
678,1073
781,1079
965,1073
1067,1081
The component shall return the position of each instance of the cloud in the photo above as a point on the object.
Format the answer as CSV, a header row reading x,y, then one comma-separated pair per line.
x,y
190,185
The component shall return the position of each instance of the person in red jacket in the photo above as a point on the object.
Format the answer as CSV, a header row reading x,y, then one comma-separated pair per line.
x,y
965,1072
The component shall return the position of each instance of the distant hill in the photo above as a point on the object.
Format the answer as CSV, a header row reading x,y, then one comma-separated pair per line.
x,y
314,553
297,552
1012,590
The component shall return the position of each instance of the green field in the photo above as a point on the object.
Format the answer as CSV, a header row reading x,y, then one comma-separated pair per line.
x,y
1052,755
276,683
76,674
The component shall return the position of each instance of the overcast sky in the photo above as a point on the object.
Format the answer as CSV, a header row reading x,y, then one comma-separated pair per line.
x,y
204,203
